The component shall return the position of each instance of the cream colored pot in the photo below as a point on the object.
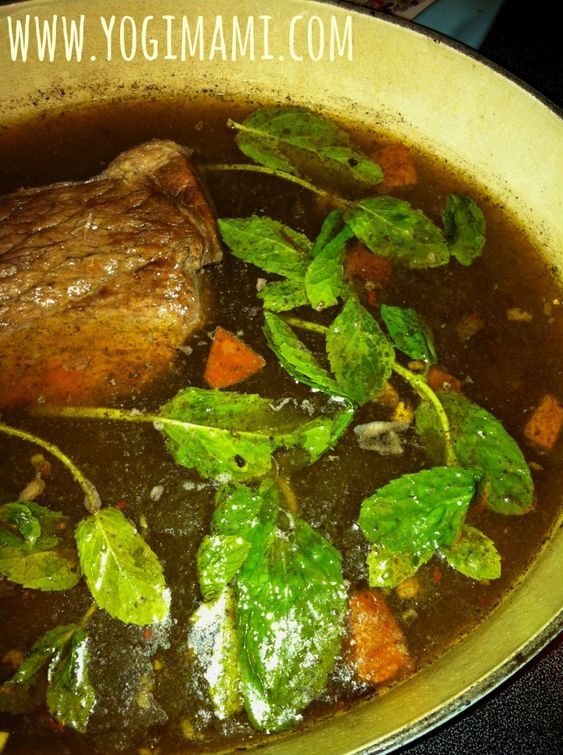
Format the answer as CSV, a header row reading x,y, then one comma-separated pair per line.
x,y
382,74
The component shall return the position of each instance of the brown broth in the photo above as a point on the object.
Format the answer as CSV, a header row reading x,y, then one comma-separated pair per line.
x,y
147,685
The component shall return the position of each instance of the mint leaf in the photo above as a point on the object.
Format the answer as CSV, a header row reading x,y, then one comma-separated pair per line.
x,y
330,227
122,572
291,606
26,522
280,296
419,512
237,509
388,569
296,358
324,281
321,434
226,433
474,555
409,332
28,548
464,226
270,245
481,441
52,642
303,143
429,430
392,228
359,353
219,558
214,640
70,696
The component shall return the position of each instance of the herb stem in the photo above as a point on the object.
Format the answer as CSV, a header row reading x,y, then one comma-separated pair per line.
x,y
249,167
419,384
288,493
88,615
92,500
297,322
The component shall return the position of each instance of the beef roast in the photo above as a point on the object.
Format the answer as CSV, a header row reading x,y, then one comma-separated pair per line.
x,y
99,280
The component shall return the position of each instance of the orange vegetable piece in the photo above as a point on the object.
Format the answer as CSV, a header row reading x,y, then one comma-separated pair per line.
x,y
544,426
376,642
439,379
398,167
361,263
230,360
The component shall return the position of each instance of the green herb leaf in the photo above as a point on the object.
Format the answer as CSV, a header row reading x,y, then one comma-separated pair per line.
x,y
303,143
219,558
388,569
28,543
296,358
360,355
291,606
27,523
464,225
330,227
122,572
481,441
280,296
214,640
429,430
419,512
322,433
324,279
70,696
474,555
52,642
409,332
392,228
238,433
238,508
270,245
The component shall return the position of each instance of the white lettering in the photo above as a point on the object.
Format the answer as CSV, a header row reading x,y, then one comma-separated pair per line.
x,y
218,40
19,38
128,55
292,27
74,38
46,38
266,38
169,54
192,43
315,46
151,54
343,46
240,46
107,28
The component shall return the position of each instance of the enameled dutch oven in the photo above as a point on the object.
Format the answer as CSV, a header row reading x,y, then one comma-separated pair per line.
x,y
383,74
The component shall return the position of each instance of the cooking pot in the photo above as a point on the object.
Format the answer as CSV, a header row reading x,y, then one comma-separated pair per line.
x,y
384,75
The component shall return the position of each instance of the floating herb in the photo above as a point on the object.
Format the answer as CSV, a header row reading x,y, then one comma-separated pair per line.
x,y
301,142
392,228
474,555
122,572
464,225
409,332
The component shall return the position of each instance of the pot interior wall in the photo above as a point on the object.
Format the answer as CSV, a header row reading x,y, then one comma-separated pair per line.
x,y
423,91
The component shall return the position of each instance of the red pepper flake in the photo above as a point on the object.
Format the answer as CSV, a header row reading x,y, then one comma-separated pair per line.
x,y
372,298
437,576
55,725
148,634
121,505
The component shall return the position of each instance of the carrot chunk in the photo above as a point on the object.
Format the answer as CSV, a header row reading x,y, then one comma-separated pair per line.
x,y
376,642
398,167
439,379
230,360
361,263
544,426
